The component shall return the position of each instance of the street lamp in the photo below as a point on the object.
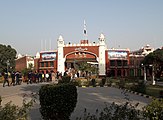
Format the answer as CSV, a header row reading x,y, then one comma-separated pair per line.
x,y
153,75
145,74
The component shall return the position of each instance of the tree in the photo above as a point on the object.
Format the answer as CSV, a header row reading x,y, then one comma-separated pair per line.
x,y
156,60
7,53
84,66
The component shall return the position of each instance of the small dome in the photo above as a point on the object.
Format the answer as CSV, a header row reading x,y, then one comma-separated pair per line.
x,y
60,38
19,55
37,55
102,37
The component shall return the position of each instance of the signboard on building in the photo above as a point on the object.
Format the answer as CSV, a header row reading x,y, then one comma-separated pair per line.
x,y
117,55
48,56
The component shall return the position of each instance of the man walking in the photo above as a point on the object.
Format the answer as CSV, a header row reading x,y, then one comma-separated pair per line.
x,y
17,75
13,78
29,77
5,79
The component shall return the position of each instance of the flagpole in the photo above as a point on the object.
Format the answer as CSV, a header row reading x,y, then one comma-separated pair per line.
x,y
41,45
45,45
85,31
50,44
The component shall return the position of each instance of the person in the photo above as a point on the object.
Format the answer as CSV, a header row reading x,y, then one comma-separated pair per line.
x,y
29,78
78,74
5,79
50,76
40,76
53,76
47,76
17,75
36,77
13,78
43,76
57,75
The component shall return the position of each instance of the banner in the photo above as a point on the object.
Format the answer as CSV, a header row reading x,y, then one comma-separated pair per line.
x,y
117,55
49,56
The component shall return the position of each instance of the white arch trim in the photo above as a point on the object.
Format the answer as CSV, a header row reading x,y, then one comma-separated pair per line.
x,y
82,51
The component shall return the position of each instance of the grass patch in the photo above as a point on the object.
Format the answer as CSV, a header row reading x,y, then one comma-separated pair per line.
x,y
154,90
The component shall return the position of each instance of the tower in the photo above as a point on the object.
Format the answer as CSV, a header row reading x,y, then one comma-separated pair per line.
x,y
61,59
102,49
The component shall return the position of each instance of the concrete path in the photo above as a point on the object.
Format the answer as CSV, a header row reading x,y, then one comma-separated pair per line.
x,y
89,98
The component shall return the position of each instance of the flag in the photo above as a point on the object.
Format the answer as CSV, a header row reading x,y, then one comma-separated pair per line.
x,y
85,31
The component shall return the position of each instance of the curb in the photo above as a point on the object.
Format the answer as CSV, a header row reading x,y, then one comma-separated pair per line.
x,y
126,90
91,86
140,94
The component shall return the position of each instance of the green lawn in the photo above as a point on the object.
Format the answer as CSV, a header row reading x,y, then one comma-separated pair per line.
x,y
154,90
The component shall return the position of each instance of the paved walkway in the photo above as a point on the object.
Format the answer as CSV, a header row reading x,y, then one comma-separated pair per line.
x,y
89,98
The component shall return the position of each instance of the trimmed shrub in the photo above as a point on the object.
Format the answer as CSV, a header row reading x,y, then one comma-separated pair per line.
x,y
57,101
65,79
102,83
140,87
93,82
122,84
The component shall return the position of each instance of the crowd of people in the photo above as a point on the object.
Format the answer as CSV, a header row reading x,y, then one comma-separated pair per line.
x,y
16,78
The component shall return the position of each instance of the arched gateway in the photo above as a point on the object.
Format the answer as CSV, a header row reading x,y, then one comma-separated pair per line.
x,y
71,54
78,55
110,62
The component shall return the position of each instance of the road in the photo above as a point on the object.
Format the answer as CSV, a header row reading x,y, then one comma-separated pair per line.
x,y
89,98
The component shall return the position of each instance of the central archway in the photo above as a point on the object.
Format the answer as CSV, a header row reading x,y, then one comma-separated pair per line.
x,y
72,59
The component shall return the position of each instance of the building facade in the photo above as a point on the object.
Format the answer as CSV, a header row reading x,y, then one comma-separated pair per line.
x,y
110,62
23,62
117,62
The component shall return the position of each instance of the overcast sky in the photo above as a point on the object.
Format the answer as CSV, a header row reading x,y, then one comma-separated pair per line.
x,y
30,26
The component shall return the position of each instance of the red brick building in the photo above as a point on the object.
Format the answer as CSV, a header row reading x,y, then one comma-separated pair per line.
x,y
110,62
117,62
47,61
23,62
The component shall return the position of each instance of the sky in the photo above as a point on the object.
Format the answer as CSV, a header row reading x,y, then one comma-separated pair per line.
x,y
31,26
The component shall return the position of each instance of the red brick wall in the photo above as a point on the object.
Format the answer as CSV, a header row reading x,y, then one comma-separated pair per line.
x,y
91,49
21,63
47,68
36,64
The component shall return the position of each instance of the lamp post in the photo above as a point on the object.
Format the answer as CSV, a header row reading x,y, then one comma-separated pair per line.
x,y
145,74
153,75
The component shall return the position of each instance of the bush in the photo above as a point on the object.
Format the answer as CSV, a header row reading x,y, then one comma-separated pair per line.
x,y
57,101
93,82
154,110
14,112
122,84
76,82
65,79
102,83
140,87
114,112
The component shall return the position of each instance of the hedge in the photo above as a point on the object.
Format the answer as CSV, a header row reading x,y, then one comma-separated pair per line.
x,y
57,101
